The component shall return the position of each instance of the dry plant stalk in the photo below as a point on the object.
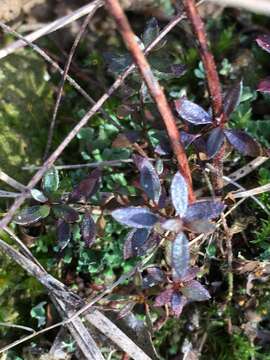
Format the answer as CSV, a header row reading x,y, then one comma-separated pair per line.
x,y
213,84
155,90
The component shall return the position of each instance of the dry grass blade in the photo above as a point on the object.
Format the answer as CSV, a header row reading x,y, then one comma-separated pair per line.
x,y
100,321
55,25
50,161
11,182
250,193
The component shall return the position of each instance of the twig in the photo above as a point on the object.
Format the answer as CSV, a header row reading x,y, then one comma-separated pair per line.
x,y
62,83
213,84
21,327
50,161
154,89
8,194
55,25
207,59
233,182
11,182
258,6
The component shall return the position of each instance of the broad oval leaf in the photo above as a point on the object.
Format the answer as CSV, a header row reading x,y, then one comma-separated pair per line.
x,y
232,98
204,210
63,233
177,303
50,181
38,195
175,225
187,138
87,187
135,241
164,298
200,227
243,142
88,230
32,214
194,291
180,257
179,194
136,217
66,213
264,42
192,112
214,142
264,85
149,179
191,274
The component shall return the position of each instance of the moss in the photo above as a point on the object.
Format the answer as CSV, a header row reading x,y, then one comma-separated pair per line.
x,y
25,104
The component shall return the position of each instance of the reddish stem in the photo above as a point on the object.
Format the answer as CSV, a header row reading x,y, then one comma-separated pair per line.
x,y
154,89
213,82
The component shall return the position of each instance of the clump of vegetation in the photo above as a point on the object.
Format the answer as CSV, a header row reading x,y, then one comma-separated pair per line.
x,y
165,251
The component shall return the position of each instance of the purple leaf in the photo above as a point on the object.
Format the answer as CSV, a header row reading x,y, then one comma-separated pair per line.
x,y
152,276
264,42
180,256
149,179
178,70
136,217
192,112
214,142
164,298
32,214
200,227
193,290
179,194
88,230
264,85
243,142
177,303
232,98
204,210
175,225
63,233
87,187
66,213
191,274
187,139
135,241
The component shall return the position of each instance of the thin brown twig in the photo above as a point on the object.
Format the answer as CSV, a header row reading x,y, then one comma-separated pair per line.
x,y
50,161
11,182
155,90
213,82
62,83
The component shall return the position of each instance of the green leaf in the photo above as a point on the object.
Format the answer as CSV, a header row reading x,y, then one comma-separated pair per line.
x,y
38,195
50,181
32,214
39,313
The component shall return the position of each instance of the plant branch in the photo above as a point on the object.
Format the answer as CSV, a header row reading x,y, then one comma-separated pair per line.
x,y
213,82
155,90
